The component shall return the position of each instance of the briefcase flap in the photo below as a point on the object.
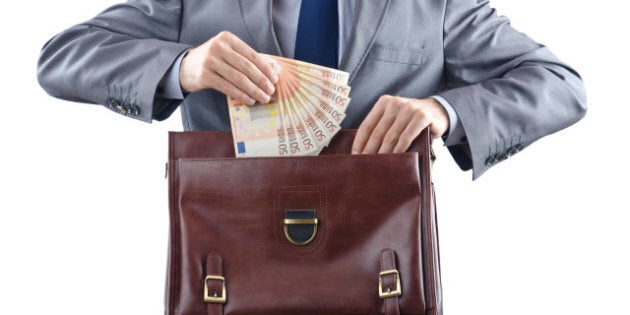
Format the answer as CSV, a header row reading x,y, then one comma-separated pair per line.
x,y
214,144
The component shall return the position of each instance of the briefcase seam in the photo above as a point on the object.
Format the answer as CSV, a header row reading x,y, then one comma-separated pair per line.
x,y
380,156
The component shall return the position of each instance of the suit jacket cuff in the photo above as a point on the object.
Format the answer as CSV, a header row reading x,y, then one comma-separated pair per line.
x,y
152,93
474,152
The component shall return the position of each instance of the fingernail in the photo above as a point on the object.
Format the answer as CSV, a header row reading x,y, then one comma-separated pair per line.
x,y
270,88
355,151
266,99
277,70
251,102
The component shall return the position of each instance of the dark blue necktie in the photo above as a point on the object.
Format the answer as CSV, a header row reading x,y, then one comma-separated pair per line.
x,y
318,33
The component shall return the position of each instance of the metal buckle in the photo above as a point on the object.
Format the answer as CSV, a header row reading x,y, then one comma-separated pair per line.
x,y
214,299
389,293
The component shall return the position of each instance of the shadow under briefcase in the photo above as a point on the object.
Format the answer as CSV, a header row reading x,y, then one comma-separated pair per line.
x,y
329,234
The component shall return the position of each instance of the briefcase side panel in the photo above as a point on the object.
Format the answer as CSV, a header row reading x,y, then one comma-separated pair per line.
x,y
173,264
430,247
434,284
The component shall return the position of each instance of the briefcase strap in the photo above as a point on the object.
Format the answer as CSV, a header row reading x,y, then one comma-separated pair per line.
x,y
214,292
389,286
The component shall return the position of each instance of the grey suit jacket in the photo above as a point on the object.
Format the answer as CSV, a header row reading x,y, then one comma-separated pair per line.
x,y
507,90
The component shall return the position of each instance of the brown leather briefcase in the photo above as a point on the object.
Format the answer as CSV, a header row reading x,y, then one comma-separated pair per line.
x,y
329,234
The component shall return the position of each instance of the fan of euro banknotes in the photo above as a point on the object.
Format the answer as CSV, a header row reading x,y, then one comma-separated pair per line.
x,y
304,114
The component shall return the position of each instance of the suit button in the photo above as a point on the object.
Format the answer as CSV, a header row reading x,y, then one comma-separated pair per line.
x,y
134,110
502,157
511,151
491,161
112,103
518,147
121,109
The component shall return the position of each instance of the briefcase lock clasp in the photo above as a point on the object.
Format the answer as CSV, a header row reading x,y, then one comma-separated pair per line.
x,y
389,293
300,226
214,298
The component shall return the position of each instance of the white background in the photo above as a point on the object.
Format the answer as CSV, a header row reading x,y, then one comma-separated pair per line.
x,y
84,217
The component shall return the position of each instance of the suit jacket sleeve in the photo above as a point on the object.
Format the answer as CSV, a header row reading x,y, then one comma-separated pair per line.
x,y
117,59
507,90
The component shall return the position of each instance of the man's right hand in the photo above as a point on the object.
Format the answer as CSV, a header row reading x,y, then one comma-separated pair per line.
x,y
225,63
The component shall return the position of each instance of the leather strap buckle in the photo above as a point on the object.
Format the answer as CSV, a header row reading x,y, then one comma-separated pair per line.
x,y
214,298
389,293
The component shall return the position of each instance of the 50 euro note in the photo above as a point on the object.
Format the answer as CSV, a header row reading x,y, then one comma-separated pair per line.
x,y
305,113
321,92
257,130
328,74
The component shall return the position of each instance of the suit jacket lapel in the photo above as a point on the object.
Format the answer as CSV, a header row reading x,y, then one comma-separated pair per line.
x,y
369,15
368,20
256,15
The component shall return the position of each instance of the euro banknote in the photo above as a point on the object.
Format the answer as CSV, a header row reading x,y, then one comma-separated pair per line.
x,y
304,114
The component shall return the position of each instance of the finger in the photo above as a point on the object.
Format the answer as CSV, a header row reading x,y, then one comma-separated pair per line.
x,y
242,82
411,131
392,136
249,69
378,133
229,89
250,54
366,127
266,67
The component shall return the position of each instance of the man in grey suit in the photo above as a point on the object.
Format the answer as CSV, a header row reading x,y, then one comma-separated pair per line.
x,y
453,65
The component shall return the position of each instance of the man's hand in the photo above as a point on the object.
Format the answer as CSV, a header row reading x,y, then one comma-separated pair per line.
x,y
395,122
225,63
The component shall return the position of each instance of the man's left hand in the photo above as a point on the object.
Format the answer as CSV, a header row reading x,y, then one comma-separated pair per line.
x,y
394,122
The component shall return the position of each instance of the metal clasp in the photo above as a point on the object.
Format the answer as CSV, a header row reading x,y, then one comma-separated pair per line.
x,y
389,293
300,221
300,226
214,298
